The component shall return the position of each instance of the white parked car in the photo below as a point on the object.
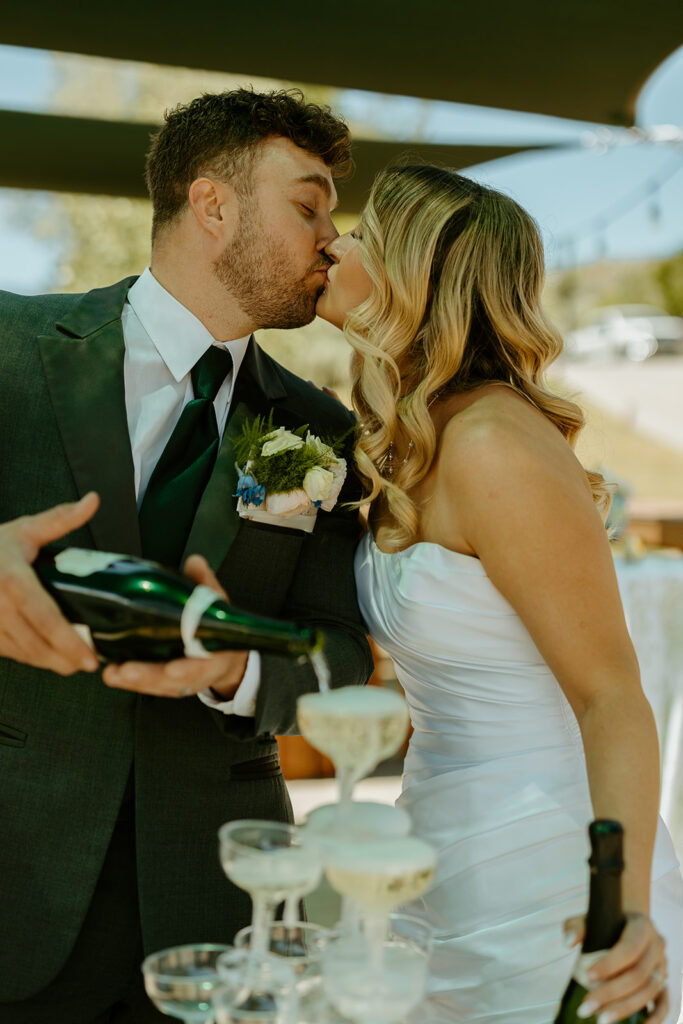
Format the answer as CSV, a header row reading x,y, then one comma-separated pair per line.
x,y
636,332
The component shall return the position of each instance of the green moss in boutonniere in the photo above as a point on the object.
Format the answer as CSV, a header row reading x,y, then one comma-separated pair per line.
x,y
284,471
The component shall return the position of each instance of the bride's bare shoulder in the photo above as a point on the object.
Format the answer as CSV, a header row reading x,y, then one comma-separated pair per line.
x,y
498,432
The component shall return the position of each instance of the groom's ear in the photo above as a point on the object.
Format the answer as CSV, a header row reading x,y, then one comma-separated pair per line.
x,y
215,207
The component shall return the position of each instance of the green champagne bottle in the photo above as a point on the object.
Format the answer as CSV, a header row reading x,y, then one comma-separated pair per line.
x,y
131,609
605,919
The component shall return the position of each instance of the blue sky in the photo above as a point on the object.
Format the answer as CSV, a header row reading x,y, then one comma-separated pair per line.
x,y
638,188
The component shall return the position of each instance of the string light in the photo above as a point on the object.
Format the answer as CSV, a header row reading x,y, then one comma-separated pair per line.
x,y
648,191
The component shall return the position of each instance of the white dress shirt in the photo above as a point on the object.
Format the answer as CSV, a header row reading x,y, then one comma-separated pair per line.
x,y
163,341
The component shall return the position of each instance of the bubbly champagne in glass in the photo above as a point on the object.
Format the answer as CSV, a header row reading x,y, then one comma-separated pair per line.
x,y
368,820
356,727
383,993
285,871
381,874
271,861
378,876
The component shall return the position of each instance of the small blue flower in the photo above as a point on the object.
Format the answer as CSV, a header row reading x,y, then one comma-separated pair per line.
x,y
249,491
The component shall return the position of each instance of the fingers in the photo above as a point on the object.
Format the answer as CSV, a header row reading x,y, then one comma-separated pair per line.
x,y
25,645
180,678
661,1010
34,630
199,571
624,1009
574,930
35,531
636,938
631,975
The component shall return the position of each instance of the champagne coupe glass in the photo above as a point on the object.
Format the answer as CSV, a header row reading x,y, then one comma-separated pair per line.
x,y
271,861
180,980
379,876
356,727
366,994
367,821
300,946
254,992
381,873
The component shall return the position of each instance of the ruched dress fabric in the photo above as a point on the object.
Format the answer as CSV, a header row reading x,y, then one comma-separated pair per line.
x,y
495,779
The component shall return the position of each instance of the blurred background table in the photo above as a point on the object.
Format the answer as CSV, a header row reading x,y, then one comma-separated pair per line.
x,y
652,592
656,523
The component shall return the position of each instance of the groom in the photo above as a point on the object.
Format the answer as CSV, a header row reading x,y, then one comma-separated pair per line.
x,y
110,795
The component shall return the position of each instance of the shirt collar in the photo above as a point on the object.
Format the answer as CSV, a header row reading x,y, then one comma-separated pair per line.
x,y
178,335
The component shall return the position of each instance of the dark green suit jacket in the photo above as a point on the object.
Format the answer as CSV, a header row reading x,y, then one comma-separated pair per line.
x,y
67,744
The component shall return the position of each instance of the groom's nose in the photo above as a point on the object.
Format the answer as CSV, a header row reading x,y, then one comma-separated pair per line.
x,y
327,236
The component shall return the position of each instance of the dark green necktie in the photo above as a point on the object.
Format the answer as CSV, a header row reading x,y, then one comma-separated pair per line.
x,y
184,467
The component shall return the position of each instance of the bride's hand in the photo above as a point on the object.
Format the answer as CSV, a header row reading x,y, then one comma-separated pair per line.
x,y
631,975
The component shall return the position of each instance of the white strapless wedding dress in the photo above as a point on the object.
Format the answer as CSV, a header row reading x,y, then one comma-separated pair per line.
x,y
494,778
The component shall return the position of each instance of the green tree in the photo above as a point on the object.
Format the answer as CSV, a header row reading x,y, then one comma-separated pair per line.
x,y
669,275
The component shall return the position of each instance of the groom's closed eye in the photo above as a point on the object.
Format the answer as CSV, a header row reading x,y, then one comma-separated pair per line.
x,y
319,190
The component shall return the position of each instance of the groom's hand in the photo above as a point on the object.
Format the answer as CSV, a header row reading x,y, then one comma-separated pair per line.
x,y
222,672
32,628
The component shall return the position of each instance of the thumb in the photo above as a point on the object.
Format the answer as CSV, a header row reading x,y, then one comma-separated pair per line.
x,y
199,571
574,930
56,522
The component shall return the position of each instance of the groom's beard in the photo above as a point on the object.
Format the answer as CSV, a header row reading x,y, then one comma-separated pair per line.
x,y
257,271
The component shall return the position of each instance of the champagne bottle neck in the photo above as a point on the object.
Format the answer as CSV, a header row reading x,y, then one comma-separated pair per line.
x,y
605,919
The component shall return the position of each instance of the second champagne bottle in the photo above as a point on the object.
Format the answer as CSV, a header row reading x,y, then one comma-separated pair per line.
x,y
605,919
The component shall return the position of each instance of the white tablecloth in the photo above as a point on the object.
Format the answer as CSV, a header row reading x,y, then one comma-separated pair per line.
x,y
652,592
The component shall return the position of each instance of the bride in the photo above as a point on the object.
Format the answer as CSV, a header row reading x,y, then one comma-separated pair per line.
x,y
487,575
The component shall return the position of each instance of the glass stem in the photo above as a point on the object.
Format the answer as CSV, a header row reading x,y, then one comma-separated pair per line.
x,y
346,783
263,913
291,914
376,931
350,916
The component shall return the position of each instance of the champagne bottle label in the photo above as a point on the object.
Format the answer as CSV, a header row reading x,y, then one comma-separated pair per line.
x,y
84,633
79,562
197,603
583,964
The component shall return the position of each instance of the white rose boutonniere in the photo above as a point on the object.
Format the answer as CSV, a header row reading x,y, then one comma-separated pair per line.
x,y
318,483
288,474
281,440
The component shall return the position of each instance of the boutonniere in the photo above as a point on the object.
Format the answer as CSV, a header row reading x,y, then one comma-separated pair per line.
x,y
288,474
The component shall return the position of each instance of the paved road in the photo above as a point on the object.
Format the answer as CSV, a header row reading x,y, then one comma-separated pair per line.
x,y
648,396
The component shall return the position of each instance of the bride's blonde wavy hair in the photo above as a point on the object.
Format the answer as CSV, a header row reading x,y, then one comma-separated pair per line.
x,y
457,270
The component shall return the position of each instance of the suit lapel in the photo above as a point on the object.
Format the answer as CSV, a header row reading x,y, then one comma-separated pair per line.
x,y
216,522
83,363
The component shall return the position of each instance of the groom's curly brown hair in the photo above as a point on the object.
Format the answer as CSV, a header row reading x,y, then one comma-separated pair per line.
x,y
218,135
